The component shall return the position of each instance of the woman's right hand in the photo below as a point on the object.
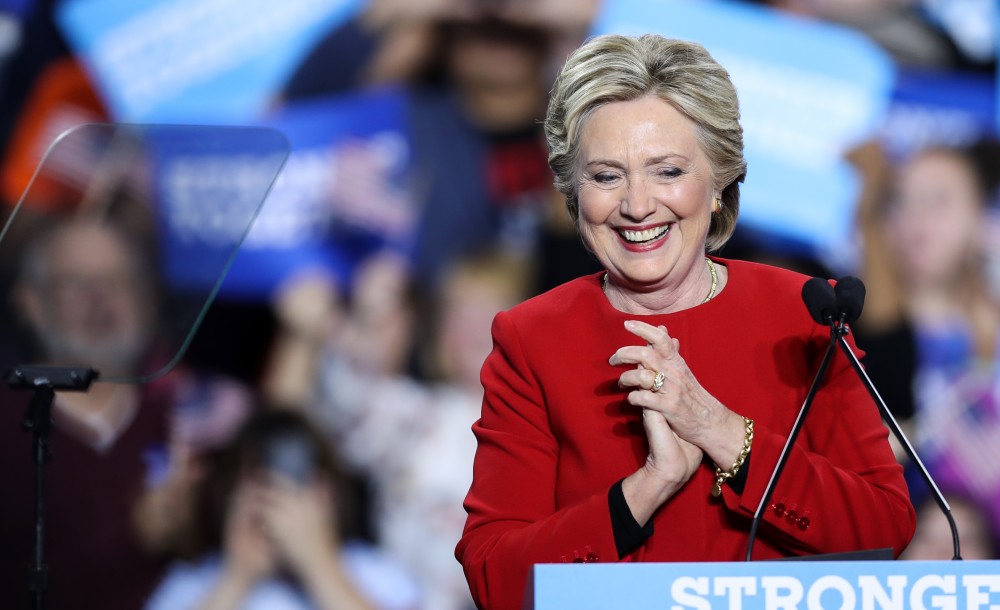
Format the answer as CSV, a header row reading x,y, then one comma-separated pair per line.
x,y
299,521
249,554
670,463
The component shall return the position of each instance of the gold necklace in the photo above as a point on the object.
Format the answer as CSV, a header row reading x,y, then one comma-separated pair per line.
x,y
711,291
715,280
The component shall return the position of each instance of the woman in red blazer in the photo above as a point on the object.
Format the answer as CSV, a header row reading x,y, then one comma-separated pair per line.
x,y
622,410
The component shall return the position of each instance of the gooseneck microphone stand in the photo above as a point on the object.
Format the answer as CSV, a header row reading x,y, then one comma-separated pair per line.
x,y
850,295
838,308
43,381
894,427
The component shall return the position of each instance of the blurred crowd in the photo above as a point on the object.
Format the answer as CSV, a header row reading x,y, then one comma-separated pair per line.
x,y
314,451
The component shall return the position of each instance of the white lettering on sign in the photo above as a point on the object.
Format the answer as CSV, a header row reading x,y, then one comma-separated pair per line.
x,y
833,592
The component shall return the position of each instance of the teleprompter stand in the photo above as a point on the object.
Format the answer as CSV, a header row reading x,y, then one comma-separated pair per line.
x,y
43,382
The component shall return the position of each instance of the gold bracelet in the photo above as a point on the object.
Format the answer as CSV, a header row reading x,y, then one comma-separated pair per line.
x,y
721,476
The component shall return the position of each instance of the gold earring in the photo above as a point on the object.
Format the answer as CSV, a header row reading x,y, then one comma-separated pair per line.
x,y
717,205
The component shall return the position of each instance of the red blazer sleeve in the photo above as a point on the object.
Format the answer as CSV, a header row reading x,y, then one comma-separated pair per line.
x,y
842,489
513,520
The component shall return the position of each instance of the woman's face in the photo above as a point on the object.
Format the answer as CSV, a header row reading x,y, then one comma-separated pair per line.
x,y
933,222
645,189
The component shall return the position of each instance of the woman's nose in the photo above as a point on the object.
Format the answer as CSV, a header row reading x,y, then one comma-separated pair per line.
x,y
638,202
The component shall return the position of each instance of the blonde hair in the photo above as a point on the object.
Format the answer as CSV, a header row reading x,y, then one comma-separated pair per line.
x,y
613,68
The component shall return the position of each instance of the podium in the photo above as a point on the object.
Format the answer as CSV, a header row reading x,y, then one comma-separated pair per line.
x,y
766,585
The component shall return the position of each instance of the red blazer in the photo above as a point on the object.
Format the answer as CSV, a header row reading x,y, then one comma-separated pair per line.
x,y
556,433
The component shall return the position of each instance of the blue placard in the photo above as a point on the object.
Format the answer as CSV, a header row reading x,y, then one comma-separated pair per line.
x,y
208,61
341,195
18,8
808,91
771,585
942,108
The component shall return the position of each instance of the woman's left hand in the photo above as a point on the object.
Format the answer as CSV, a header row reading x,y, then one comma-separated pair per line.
x,y
299,521
692,413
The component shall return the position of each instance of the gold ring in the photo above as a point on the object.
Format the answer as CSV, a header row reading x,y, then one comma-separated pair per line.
x,y
658,381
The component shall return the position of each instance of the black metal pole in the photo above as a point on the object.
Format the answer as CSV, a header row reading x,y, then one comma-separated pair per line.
x,y
38,421
43,381
897,431
792,436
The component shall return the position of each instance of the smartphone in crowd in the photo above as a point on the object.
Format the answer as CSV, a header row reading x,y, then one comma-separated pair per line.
x,y
292,456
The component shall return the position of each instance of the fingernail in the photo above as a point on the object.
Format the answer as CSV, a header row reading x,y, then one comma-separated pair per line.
x,y
629,324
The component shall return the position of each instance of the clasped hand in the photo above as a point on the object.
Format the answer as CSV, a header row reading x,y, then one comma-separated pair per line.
x,y
274,521
682,421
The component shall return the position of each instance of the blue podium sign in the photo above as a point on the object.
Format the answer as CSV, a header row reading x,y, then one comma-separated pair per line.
x,y
770,585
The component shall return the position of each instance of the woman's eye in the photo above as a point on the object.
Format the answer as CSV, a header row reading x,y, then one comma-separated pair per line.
x,y
605,178
670,172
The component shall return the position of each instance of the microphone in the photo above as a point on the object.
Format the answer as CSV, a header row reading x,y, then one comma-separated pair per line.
x,y
820,299
850,296
850,301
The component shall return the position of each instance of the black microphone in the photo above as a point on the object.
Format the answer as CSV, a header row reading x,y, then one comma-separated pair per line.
x,y
850,301
850,296
821,301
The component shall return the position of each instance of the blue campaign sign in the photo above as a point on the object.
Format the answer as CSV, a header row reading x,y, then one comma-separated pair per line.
x,y
808,92
209,61
18,8
340,196
768,585
934,107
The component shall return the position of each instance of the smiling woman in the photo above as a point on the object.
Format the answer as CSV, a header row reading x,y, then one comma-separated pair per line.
x,y
622,410
645,194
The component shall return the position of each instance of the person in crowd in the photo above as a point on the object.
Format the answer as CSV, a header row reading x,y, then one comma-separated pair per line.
x,y
205,413
86,295
408,432
928,284
267,533
932,539
376,326
473,106
636,414
82,293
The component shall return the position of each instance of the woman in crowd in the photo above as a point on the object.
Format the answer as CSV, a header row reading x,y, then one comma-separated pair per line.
x,y
267,534
928,283
636,414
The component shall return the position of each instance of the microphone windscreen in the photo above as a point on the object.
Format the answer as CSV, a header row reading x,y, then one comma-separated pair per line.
x,y
820,300
850,293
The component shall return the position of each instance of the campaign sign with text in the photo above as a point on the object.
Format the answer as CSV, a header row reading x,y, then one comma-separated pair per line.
x,y
341,195
209,61
938,108
808,92
769,585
